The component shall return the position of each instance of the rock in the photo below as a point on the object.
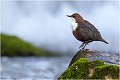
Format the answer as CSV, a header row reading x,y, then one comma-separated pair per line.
x,y
92,64
85,69
96,55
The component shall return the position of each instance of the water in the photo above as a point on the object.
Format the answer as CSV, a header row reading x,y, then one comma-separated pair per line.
x,y
33,68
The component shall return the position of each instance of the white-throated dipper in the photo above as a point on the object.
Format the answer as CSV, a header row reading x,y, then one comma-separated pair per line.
x,y
84,31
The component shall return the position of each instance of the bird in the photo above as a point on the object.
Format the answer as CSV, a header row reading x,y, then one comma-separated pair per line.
x,y
84,31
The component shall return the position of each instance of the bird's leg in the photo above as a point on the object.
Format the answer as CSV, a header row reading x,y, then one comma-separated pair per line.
x,y
86,43
82,45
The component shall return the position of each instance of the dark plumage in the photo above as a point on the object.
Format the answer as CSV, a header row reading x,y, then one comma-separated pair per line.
x,y
85,31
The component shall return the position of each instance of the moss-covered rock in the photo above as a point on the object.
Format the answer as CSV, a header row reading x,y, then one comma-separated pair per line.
x,y
85,69
14,46
93,55
111,71
76,71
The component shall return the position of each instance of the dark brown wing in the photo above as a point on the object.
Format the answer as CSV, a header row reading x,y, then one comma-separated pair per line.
x,y
90,31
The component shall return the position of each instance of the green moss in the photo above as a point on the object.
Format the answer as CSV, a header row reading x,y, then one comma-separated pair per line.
x,y
79,54
81,70
77,70
14,46
101,71
96,63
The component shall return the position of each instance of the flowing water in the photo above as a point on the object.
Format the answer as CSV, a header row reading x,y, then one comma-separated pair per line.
x,y
33,68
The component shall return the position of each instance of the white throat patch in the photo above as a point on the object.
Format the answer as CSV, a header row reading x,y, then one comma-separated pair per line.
x,y
74,24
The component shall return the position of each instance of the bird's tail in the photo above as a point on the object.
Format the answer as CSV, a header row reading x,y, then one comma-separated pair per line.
x,y
104,41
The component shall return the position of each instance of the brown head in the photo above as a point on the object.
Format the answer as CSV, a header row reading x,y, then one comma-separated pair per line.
x,y
77,17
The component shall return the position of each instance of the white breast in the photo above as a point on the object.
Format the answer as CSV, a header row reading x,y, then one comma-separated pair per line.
x,y
74,25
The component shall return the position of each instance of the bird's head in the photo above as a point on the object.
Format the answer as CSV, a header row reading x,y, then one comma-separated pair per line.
x,y
77,18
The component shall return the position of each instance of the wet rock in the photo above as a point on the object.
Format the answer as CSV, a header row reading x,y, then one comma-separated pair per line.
x,y
85,69
96,55
92,64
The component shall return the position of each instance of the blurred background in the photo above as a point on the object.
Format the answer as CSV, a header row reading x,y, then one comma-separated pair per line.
x,y
44,25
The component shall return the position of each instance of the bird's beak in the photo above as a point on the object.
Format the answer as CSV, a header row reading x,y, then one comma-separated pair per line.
x,y
68,15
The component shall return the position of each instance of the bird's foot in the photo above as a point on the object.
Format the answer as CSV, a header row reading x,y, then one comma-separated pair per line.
x,y
81,48
81,45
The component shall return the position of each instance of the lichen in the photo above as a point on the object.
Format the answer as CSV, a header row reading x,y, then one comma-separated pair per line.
x,y
84,69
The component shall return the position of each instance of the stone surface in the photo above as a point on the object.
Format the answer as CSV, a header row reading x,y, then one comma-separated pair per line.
x,y
92,64
96,55
85,69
